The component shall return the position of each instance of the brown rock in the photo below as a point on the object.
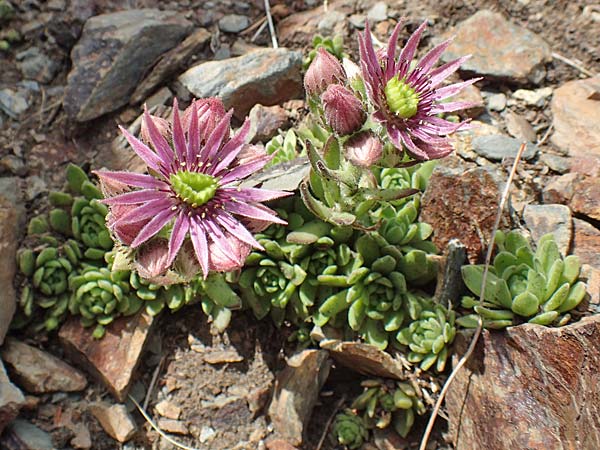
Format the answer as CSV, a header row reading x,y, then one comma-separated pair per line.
x,y
222,357
114,358
462,204
267,76
279,444
172,426
519,128
560,189
266,120
22,435
115,420
471,94
39,372
8,249
586,197
577,118
586,243
556,219
11,399
167,409
388,439
591,277
171,63
364,358
501,50
528,387
296,391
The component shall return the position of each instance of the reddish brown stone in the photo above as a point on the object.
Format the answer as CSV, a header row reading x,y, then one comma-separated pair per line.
x,y
265,121
586,243
9,228
11,399
279,444
576,118
529,387
462,204
114,358
586,197
471,94
560,189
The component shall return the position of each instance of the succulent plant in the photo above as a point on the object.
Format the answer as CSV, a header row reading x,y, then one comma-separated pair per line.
x,y
385,402
333,46
99,295
540,287
430,333
45,291
349,430
285,148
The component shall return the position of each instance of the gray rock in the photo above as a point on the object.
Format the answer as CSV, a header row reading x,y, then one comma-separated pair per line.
x,y
36,65
13,103
34,186
330,20
501,50
377,12
357,21
555,219
519,128
558,164
21,434
233,23
114,52
296,391
266,76
11,399
39,372
497,102
13,164
497,147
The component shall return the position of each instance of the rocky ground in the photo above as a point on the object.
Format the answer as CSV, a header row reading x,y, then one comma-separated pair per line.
x,y
74,69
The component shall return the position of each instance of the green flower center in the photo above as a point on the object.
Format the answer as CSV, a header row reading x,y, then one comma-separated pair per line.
x,y
194,188
402,99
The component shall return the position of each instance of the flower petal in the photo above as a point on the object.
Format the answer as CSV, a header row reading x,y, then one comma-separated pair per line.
x,y
153,227
232,148
412,148
409,50
432,57
178,135
441,73
198,237
451,106
228,222
253,212
180,230
193,133
219,239
390,66
214,141
132,179
135,197
142,212
244,170
453,89
160,144
143,151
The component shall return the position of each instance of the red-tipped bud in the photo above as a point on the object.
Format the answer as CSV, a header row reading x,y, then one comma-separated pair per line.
x,y
344,113
364,149
210,112
323,71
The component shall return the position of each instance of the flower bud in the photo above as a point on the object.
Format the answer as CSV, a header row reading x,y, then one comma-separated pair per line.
x,y
343,111
364,149
323,71
210,112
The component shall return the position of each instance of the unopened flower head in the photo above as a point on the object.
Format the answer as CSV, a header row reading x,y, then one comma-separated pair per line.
x,y
364,149
344,113
323,71
408,99
193,185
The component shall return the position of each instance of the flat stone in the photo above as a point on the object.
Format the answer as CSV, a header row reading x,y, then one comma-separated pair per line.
x,y
11,399
172,426
115,420
496,102
462,204
267,76
114,358
233,23
535,97
575,114
529,386
591,277
501,50
557,163
555,219
13,103
497,147
377,12
519,128
265,121
167,409
586,242
22,435
9,231
586,197
560,189
170,64
296,391
330,22
279,444
207,434
471,94
39,372
364,358
222,357
112,55
35,65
